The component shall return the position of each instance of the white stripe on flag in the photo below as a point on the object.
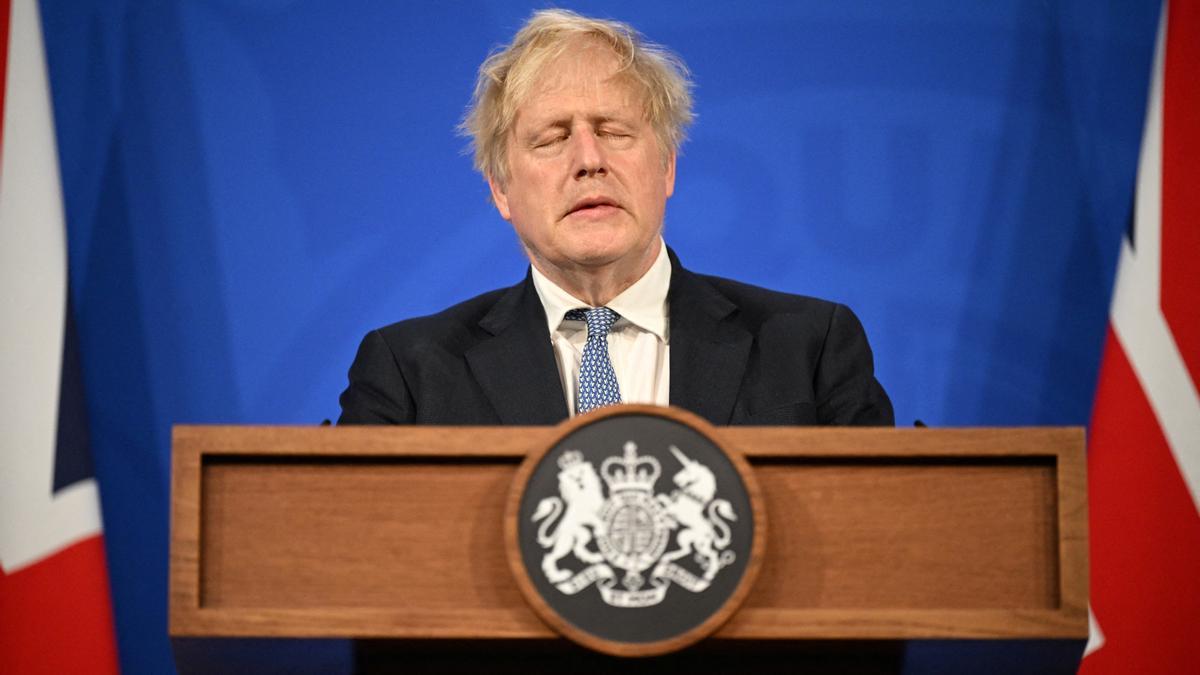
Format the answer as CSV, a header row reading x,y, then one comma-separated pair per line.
x,y
1137,316
36,523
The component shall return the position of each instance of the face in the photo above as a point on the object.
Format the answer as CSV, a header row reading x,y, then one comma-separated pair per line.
x,y
587,183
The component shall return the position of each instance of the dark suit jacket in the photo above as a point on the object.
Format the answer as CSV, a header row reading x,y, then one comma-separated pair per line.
x,y
739,355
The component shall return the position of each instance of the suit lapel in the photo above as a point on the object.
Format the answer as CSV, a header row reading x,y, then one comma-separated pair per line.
x,y
708,350
515,367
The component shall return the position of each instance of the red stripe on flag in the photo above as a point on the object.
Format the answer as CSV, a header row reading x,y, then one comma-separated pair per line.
x,y
1145,537
1181,181
55,615
5,7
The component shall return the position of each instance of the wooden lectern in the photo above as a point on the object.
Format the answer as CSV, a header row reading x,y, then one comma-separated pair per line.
x,y
876,535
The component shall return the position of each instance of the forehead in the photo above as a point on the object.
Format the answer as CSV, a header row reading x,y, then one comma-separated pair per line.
x,y
586,78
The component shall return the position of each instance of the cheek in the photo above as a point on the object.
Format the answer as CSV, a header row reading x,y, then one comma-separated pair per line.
x,y
532,211
536,192
653,181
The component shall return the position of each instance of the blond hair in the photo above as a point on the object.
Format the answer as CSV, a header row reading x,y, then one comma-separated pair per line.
x,y
509,73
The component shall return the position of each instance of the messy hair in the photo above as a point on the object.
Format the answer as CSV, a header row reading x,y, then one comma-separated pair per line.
x,y
510,72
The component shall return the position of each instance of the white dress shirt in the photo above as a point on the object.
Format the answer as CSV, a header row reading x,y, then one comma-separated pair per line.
x,y
638,343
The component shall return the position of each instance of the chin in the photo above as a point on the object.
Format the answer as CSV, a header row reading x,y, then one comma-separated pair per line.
x,y
598,249
601,247
594,258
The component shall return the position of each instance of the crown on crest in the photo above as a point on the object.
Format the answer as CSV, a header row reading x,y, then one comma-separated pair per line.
x,y
569,459
630,472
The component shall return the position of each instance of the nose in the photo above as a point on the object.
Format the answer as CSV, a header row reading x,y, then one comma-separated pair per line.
x,y
589,155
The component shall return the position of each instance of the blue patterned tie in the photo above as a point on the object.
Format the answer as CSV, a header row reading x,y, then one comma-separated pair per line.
x,y
597,381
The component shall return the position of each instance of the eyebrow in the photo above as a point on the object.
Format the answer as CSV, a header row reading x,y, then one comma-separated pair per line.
x,y
565,122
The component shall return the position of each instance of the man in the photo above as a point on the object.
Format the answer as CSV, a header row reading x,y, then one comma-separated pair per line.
x,y
576,126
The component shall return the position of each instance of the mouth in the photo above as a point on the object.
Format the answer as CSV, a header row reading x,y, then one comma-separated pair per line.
x,y
593,206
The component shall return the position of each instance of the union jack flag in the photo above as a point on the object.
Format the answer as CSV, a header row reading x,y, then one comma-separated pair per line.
x,y
1144,450
55,607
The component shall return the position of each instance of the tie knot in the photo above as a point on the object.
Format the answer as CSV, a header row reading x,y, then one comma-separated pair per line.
x,y
599,319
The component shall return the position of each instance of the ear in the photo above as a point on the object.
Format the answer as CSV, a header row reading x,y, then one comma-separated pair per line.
x,y
499,198
670,175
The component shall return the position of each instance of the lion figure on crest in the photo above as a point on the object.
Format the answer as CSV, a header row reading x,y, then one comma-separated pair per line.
x,y
581,492
693,508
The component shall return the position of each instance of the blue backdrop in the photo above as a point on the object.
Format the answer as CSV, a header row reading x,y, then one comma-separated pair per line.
x,y
252,185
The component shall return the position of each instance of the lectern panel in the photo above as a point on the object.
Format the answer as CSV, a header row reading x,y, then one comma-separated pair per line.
x,y
340,532
398,533
960,534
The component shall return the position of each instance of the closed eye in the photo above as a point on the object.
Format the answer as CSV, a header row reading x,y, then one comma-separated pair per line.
x,y
616,138
547,142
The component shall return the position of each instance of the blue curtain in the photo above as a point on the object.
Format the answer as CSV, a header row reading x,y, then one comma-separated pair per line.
x,y
251,186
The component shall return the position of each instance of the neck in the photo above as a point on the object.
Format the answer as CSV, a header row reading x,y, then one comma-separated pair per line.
x,y
597,286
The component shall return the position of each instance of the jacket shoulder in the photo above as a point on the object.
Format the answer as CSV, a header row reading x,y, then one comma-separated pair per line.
x,y
454,325
812,341
404,372
757,303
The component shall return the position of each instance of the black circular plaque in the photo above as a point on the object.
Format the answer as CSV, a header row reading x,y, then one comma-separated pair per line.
x,y
635,532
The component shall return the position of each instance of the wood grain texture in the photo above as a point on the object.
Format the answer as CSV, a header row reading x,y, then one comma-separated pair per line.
x,y
412,534
937,536
875,533
1073,528
184,572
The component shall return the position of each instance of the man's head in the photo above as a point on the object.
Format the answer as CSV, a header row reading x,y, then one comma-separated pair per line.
x,y
576,126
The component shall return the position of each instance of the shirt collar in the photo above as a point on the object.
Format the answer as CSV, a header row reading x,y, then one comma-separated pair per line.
x,y
644,304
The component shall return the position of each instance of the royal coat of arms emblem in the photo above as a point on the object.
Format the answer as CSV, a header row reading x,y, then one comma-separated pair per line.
x,y
629,541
